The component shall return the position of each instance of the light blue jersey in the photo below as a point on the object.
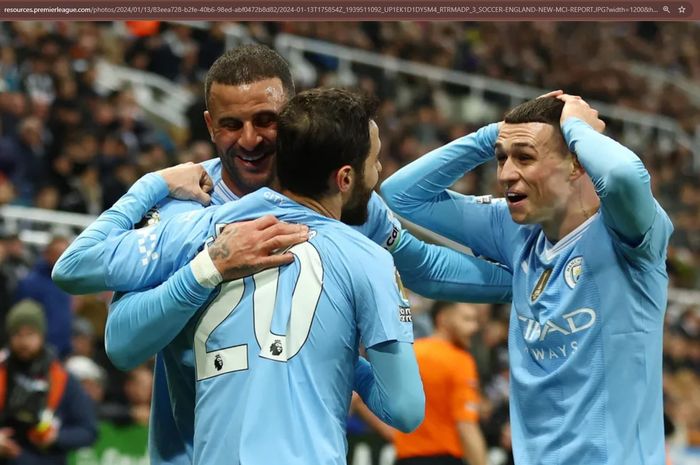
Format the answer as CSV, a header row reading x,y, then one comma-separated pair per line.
x,y
585,340
150,321
274,353
172,407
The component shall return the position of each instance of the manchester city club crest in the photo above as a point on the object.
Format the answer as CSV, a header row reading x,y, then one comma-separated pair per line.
x,y
573,271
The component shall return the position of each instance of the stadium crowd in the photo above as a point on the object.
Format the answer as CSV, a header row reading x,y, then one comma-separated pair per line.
x,y
66,146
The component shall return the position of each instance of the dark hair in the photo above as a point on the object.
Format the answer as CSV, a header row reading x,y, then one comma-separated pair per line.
x,y
319,131
540,110
438,307
248,64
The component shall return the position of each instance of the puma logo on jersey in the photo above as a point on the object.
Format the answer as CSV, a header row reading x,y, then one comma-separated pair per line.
x,y
151,217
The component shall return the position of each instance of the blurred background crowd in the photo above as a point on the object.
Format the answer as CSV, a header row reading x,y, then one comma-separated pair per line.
x,y
69,143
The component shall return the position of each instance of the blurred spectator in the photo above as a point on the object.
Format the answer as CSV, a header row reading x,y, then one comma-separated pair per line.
x,y
56,303
7,190
14,266
450,431
91,376
83,338
137,392
44,412
138,388
22,158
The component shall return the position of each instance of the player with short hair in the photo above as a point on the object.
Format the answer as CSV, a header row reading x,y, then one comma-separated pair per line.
x,y
241,118
280,347
586,242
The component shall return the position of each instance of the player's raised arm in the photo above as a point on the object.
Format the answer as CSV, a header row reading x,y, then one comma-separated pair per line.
x,y
619,176
434,271
419,192
81,269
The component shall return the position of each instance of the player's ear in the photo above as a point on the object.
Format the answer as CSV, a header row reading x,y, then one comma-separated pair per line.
x,y
344,178
576,169
208,120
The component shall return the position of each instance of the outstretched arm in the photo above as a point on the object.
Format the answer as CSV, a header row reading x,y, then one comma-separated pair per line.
x,y
81,269
441,273
140,324
434,271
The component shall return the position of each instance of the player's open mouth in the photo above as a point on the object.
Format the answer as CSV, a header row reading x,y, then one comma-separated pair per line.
x,y
253,159
515,197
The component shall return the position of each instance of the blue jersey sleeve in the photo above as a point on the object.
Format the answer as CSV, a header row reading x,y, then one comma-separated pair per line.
x,y
143,258
419,192
622,182
81,269
433,271
381,227
140,324
391,386
441,273
382,311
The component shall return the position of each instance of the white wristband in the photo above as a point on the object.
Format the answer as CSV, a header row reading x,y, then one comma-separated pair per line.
x,y
205,271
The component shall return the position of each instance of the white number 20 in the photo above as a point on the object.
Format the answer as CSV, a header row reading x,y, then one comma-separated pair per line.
x,y
276,347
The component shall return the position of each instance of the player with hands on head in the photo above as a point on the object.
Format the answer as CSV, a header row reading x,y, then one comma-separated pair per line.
x,y
586,242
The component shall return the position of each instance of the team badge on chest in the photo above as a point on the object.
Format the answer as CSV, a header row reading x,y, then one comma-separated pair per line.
x,y
573,271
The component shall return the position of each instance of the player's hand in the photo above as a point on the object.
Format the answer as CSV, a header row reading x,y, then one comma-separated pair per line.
x,y
554,93
576,107
188,181
8,447
247,247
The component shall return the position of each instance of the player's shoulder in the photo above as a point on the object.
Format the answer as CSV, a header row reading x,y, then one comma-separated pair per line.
x,y
662,217
213,168
168,208
346,241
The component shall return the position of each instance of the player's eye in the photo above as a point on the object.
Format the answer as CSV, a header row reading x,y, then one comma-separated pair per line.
x,y
231,124
265,120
